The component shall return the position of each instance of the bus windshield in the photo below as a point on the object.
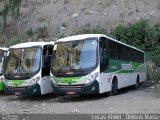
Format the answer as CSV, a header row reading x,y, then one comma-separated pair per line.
x,y
23,62
74,57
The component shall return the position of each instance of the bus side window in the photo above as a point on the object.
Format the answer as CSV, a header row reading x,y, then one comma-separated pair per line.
x,y
103,55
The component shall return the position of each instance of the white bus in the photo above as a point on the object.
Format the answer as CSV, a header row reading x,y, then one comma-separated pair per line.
x,y
95,64
3,54
27,69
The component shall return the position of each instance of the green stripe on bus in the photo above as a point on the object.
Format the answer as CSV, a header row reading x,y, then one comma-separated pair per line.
x,y
135,67
70,80
1,86
16,82
115,66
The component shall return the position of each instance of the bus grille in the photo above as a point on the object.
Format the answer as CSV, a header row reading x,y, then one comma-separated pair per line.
x,y
71,87
17,89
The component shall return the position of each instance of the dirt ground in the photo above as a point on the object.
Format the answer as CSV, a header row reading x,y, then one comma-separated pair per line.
x,y
146,99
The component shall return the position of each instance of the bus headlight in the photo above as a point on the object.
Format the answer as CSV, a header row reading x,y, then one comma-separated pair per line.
x,y
34,81
92,77
2,78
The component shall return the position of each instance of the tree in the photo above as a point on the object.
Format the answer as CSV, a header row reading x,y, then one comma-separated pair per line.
x,y
146,37
4,13
10,8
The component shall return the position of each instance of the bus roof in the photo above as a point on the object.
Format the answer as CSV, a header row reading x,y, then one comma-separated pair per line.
x,y
84,36
30,44
4,49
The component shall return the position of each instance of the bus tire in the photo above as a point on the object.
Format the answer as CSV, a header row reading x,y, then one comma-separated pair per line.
x,y
136,86
114,88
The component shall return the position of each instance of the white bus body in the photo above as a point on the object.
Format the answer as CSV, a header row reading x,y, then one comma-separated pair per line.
x,y
27,69
95,64
3,54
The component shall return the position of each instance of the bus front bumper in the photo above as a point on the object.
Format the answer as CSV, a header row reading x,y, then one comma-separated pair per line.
x,y
26,90
91,88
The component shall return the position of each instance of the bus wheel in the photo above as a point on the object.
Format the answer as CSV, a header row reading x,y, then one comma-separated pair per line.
x,y
137,83
114,90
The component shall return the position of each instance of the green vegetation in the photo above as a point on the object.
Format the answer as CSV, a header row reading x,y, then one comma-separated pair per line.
x,y
41,32
146,37
10,8
140,34
90,30
11,41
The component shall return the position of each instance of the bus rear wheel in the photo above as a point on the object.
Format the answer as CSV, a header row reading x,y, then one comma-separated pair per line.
x,y
136,86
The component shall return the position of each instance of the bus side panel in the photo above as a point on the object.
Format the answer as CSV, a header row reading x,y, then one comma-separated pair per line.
x,y
142,73
142,77
126,79
45,85
105,82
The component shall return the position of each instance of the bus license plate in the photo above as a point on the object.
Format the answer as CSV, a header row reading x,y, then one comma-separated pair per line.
x,y
71,93
17,93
